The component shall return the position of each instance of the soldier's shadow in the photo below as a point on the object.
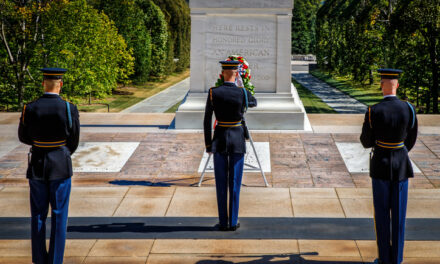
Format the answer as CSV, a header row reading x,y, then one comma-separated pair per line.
x,y
140,183
187,232
135,228
275,259
166,183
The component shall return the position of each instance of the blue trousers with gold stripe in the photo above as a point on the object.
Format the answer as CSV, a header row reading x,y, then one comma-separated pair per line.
x,y
42,193
390,201
228,170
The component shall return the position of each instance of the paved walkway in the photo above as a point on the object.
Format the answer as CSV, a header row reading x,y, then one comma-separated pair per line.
x,y
162,101
336,99
163,225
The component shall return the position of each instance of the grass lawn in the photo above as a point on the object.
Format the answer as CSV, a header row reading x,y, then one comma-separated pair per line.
x,y
312,103
173,108
364,93
125,97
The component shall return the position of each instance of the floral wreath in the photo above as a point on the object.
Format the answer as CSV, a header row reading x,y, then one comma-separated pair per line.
x,y
244,71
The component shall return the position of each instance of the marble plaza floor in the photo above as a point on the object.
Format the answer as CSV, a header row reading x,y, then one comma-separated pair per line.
x,y
170,158
134,198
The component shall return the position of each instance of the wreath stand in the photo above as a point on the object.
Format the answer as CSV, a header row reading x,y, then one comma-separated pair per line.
x,y
256,156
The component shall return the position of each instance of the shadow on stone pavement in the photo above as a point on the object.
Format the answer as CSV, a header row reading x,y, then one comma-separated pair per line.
x,y
137,227
286,259
166,183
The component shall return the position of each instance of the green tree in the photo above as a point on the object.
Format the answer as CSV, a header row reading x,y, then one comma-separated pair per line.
x,y
130,21
423,17
20,34
355,37
179,25
303,26
86,42
156,23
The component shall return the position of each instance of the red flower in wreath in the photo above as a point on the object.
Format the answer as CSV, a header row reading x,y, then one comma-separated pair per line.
x,y
244,72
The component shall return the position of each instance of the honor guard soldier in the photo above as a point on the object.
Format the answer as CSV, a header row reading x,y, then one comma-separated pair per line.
x,y
51,126
228,102
390,129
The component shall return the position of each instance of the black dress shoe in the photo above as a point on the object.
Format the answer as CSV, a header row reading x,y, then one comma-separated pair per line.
x,y
233,228
221,227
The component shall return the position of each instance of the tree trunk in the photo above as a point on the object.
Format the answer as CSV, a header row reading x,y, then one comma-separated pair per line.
x,y
371,77
20,92
428,102
418,93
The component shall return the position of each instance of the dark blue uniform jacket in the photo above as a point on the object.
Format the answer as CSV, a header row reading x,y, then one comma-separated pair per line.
x,y
45,120
228,104
391,122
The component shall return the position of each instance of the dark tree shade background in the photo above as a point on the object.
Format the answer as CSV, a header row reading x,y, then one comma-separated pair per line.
x,y
356,37
303,26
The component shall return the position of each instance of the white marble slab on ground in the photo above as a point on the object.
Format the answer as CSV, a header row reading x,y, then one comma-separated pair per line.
x,y
102,156
356,157
251,164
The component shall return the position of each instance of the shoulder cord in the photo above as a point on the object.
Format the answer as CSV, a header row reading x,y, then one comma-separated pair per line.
x,y
69,116
246,99
369,116
24,112
413,115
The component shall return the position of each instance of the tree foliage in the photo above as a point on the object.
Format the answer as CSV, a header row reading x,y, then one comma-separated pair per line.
x,y
303,26
130,21
356,37
61,33
101,42
20,34
156,23
419,22
87,43
179,24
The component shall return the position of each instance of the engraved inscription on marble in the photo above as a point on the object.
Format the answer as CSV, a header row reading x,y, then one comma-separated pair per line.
x,y
102,156
252,37
250,161
357,158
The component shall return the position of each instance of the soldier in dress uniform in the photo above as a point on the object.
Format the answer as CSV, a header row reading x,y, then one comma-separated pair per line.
x,y
228,145
51,126
390,128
